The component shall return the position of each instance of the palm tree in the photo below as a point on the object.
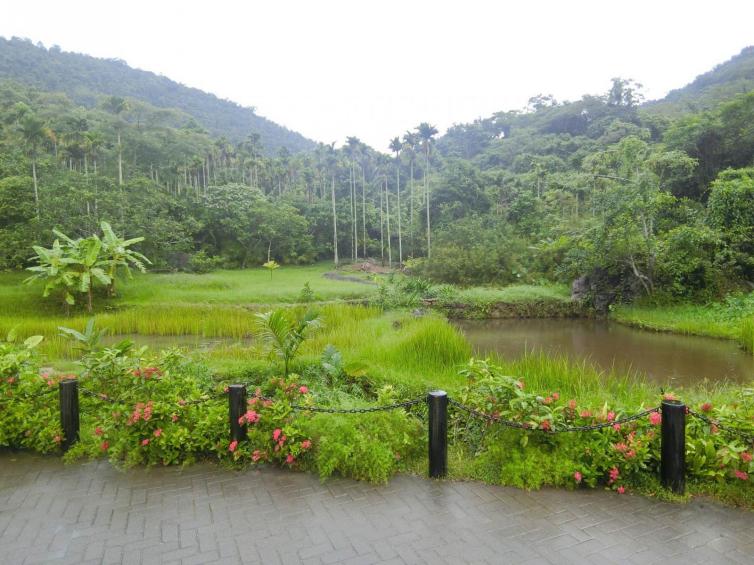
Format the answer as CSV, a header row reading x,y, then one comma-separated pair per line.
x,y
352,148
426,133
284,334
331,163
409,148
34,133
116,106
395,147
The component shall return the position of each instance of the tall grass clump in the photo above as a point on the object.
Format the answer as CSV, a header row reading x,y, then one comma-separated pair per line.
x,y
428,344
746,339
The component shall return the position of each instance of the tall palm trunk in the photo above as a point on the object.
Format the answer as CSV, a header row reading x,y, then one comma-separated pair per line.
x,y
363,212
411,210
426,196
334,225
398,186
387,224
36,187
120,162
382,223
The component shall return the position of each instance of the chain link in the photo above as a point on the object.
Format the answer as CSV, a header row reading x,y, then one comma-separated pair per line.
x,y
525,426
733,431
28,396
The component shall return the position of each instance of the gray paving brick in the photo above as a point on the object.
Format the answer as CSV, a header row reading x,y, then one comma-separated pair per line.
x,y
92,513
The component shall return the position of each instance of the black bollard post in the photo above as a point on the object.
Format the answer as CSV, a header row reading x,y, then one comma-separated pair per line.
x,y
69,412
673,459
438,433
237,408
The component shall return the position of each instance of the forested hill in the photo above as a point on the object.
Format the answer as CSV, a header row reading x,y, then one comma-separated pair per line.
x,y
85,79
726,80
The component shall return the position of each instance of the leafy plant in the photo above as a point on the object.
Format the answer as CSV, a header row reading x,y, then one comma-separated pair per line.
x,y
284,332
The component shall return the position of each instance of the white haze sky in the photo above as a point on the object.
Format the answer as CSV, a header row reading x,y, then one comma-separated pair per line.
x,y
375,68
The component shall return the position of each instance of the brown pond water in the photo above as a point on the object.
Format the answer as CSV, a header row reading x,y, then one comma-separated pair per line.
x,y
664,358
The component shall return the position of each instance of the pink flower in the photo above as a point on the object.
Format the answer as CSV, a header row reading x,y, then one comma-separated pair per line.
x,y
174,417
706,407
158,432
742,475
145,442
548,400
251,416
616,427
233,445
303,389
105,446
256,456
276,433
614,474
746,456
98,431
290,459
621,490
520,384
621,447
585,414
655,418
610,416
577,476
306,444
57,439
556,396
572,404
545,425
630,454
668,396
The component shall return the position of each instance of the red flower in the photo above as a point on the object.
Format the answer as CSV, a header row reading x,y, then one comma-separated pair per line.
x,y
256,456
545,425
158,432
621,447
145,442
303,389
105,446
746,456
572,404
251,416
98,431
174,417
668,396
706,407
630,454
577,476
616,427
306,444
655,418
548,400
276,434
614,474
610,416
290,459
742,475
585,414
621,490
233,445
556,396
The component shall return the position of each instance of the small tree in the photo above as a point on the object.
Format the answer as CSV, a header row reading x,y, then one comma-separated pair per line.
x,y
283,333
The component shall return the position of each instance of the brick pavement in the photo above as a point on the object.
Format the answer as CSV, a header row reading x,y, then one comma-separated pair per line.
x,y
92,513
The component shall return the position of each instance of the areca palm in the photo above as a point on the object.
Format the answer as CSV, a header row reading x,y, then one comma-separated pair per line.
x,y
34,132
395,147
283,333
426,133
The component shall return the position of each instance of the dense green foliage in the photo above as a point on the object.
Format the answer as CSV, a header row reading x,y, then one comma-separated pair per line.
x,y
634,201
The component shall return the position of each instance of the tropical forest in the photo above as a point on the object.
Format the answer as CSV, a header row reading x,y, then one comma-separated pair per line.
x,y
569,265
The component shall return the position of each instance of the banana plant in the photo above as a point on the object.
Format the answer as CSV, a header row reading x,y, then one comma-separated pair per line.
x,y
54,268
118,255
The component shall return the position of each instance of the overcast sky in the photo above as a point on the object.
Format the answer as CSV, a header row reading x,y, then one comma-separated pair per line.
x,y
375,68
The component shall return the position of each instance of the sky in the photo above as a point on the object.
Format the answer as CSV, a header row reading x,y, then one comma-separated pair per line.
x,y
376,68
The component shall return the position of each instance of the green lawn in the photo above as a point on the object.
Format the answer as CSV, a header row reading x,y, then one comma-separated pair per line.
x,y
517,293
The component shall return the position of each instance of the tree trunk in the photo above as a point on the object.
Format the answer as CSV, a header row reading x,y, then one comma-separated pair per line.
x,y
426,194
411,210
334,225
387,224
36,187
382,222
364,212
120,162
398,185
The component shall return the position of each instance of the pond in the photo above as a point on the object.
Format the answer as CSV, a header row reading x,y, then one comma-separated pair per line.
x,y
662,357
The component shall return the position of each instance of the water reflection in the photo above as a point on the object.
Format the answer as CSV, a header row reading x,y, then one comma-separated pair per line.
x,y
663,358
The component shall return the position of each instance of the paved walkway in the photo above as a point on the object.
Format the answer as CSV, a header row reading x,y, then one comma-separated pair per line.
x,y
92,513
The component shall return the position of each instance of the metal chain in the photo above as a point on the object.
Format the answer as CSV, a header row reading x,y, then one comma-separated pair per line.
x,y
28,396
395,406
525,426
745,435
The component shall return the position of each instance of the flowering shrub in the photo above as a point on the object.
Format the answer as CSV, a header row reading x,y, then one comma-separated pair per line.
x,y
617,456
28,399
